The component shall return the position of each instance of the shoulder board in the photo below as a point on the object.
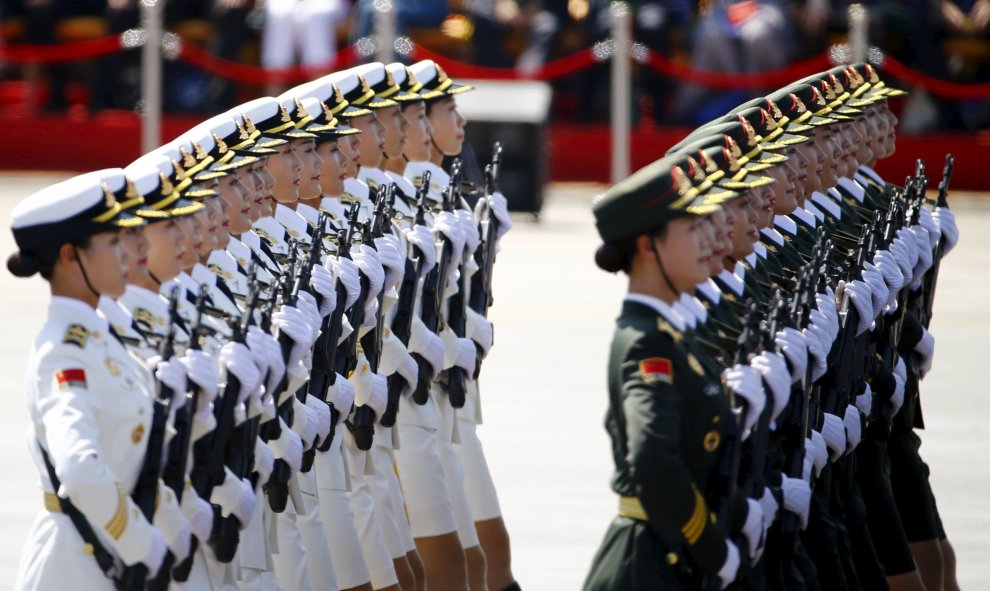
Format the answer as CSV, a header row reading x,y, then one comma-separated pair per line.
x,y
76,334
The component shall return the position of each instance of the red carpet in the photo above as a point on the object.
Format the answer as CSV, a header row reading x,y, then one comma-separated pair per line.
x,y
577,152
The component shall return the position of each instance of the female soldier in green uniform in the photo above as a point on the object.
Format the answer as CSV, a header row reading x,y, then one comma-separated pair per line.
x,y
665,417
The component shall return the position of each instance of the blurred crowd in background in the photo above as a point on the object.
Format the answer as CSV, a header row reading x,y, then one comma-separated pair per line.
x,y
947,39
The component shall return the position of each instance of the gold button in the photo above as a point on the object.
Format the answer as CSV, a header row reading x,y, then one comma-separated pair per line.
x,y
88,549
672,558
716,420
713,518
137,434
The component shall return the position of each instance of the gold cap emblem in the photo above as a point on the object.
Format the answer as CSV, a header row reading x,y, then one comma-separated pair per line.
x,y
249,125
188,160
132,192
872,73
707,162
221,145
733,147
200,152
284,114
798,103
768,121
365,89
732,157
108,199
829,91
681,180
751,137
774,109
167,187
242,133
695,170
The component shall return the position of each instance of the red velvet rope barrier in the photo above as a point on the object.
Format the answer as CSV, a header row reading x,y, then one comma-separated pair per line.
x,y
212,64
548,71
726,80
65,52
935,85
260,75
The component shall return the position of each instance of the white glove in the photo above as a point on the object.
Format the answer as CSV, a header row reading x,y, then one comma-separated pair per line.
x,y
469,226
235,497
773,368
819,321
500,210
816,353
427,345
293,323
304,422
753,527
770,507
730,568
480,330
864,402
927,221
370,265
834,433
925,256
467,355
926,352
172,374
155,555
859,295
421,237
878,288
322,283
320,416
288,447
795,348
745,381
854,427
904,250
346,272
306,304
341,396
825,305
818,449
797,498
264,346
264,461
201,367
370,389
900,379
237,359
446,223
198,513
892,275
393,259
169,520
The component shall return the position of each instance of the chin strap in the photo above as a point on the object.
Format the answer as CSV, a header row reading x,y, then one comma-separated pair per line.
x,y
84,274
663,272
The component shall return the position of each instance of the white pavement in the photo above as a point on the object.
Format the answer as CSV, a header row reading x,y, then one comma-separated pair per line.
x,y
544,391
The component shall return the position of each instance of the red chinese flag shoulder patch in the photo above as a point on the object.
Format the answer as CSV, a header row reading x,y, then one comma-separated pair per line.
x,y
656,369
71,378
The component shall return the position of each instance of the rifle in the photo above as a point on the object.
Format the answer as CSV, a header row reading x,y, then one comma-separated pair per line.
x,y
225,535
174,472
402,323
484,255
323,375
728,471
932,279
277,487
361,422
454,379
145,494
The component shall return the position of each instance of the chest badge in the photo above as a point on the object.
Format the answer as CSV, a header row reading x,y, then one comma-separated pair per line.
x,y
712,390
138,433
695,365
712,440
112,367
666,327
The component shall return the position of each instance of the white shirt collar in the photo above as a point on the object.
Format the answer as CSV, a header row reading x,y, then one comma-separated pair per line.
x,y
758,251
855,189
734,282
786,224
810,207
773,234
660,307
828,204
686,314
806,217
866,170
711,289
692,305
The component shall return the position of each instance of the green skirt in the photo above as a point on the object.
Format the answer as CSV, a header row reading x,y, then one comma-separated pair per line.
x,y
632,558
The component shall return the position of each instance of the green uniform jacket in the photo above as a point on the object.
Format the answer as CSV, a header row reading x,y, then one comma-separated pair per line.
x,y
666,421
